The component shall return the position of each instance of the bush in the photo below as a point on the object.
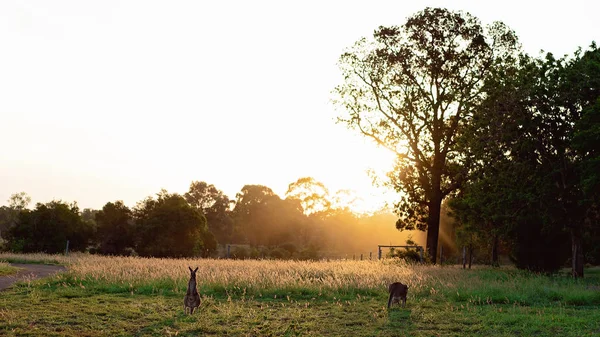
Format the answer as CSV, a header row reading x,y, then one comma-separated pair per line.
x,y
409,255
539,249
290,247
309,253
240,253
279,253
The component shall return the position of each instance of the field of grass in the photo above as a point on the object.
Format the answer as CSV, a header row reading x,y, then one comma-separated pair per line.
x,y
124,296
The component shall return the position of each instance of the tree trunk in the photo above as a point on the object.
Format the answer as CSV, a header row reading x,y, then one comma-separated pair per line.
x,y
433,226
470,255
577,252
495,262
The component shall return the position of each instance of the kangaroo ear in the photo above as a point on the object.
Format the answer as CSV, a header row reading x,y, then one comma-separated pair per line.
x,y
195,270
190,268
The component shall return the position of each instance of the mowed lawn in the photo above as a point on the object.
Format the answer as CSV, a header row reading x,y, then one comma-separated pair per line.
x,y
118,296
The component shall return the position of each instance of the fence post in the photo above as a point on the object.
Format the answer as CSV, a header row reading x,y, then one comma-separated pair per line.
x,y
464,257
361,256
421,254
228,250
379,247
370,255
67,249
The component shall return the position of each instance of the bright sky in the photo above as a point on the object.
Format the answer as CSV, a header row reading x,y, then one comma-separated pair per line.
x,y
114,100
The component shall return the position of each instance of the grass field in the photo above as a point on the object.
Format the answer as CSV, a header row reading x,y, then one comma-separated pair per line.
x,y
102,296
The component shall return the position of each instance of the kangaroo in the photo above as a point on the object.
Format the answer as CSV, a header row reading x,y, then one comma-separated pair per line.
x,y
398,292
192,298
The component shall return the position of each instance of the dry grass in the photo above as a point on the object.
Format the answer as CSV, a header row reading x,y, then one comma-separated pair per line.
x,y
40,258
252,274
257,274
108,296
482,284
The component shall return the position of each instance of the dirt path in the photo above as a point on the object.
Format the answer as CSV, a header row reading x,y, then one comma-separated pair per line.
x,y
32,271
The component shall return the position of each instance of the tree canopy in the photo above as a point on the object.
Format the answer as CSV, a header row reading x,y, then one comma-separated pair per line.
x,y
169,226
215,206
411,89
529,180
48,227
115,228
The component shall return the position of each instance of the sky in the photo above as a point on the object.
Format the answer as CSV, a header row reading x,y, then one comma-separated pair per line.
x,y
114,100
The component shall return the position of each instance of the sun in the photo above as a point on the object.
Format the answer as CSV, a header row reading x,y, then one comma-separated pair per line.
x,y
354,187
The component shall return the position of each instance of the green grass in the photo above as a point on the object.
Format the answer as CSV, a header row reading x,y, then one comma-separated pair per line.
x,y
6,269
47,311
446,301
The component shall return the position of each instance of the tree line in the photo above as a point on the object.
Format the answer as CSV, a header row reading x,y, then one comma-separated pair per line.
x,y
509,142
308,222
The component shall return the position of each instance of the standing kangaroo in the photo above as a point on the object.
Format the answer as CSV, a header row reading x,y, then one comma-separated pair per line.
x,y
398,293
192,298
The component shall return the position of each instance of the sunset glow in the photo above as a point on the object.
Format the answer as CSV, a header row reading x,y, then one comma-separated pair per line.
x,y
110,100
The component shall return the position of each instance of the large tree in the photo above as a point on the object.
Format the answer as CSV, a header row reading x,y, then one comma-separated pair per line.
x,y
489,203
8,214
115,228
587,144
263,218
411,89
312,194
532,141
215,206
169,227
569,89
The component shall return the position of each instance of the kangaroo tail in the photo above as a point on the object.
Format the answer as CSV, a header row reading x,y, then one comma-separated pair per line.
x,y
390,300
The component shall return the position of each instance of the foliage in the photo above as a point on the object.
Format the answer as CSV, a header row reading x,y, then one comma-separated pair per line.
x,y
115,228
48,227
313,195
265,219
8,214
19,201
412,89
215,206
168,226
587,143
209,244
538,249
526,140
408,254
6,220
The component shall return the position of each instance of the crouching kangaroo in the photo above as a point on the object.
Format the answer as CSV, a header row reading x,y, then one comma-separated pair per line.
x,y
398,293
192,298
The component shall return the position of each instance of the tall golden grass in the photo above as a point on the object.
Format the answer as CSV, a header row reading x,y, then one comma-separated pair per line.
x,y
481,285
255,274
